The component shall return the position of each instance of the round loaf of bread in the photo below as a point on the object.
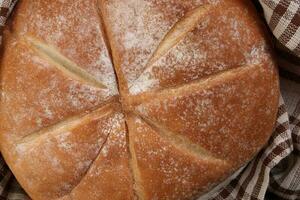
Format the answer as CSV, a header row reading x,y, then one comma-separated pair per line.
x,y
133,99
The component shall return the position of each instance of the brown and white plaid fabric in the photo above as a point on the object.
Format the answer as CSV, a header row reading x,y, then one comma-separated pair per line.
x,y
283,17
275,172
5,8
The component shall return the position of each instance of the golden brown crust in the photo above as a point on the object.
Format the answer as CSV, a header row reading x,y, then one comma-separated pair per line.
x,y
35,94
73,28
220,113
110,174
198,96
229,39
169,172
51,164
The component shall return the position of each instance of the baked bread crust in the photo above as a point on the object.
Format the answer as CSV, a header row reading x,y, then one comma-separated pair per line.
x,y
133,99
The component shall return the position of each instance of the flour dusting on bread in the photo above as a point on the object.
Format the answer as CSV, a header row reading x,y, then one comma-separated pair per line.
x,y
133,99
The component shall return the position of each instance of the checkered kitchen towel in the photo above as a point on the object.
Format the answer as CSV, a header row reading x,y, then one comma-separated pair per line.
x,y
275,172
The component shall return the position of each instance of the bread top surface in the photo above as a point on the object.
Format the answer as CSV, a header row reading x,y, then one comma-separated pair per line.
x,y
133,99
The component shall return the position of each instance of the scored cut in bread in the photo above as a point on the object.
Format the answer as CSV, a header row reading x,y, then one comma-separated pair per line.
x,y
134,99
